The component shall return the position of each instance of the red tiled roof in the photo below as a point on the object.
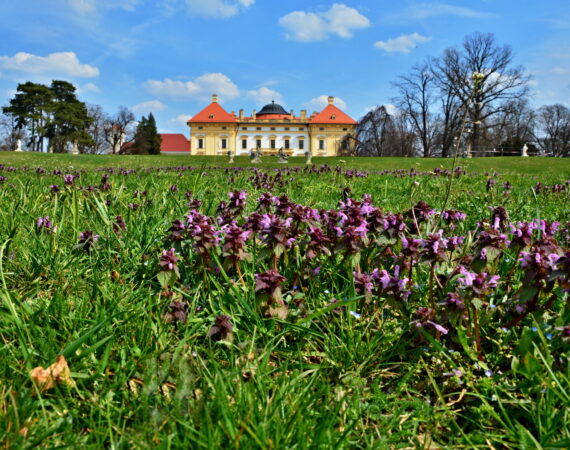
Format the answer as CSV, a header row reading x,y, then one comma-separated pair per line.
x,y
174,143
213,113
331,114
273,117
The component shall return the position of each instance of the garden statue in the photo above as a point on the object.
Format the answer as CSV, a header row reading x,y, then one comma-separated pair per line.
x,y
282,156
525,150
308,157
256,156
19,145
230,157
75,150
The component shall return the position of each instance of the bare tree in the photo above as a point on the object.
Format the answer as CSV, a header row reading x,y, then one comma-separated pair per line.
x,y
416,100
481,75
382,134
512,127
448,123
553,130
119,129
96,130
9,132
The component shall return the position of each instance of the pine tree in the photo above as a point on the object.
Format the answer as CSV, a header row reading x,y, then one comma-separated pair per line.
x,y
153,137
147,140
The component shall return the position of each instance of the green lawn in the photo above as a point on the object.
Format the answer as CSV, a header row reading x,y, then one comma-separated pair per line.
x,y
339,367
535,166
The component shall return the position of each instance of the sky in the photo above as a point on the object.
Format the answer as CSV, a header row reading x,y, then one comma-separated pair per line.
x,y
168,56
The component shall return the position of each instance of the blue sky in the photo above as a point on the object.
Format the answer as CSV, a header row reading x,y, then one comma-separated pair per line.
x,y
169,56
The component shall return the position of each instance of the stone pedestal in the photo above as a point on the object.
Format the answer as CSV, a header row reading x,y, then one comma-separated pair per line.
x,y
308,158
230,158
18,146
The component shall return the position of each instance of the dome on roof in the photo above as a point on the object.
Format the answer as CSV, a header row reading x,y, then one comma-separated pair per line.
x,y
272,108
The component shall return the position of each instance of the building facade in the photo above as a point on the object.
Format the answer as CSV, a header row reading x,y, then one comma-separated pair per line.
x,y
214,131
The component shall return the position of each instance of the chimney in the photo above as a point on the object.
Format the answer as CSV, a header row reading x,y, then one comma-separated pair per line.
x,y
254,114
241,114
303,114
214,98
331,100
292,115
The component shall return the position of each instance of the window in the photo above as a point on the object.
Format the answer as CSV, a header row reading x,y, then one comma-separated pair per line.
x,y
200,128
321,129
224,143
301,144
301,129
272,143
244,144
244,128
286,128
272,128
223,128
258,143
321,144
258,128
200,143
286,143
211,116
345,129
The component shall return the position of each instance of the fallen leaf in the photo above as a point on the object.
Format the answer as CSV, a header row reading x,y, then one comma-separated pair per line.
x,y
57,373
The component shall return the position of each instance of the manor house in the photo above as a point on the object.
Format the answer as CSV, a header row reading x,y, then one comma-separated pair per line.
x,y
214,131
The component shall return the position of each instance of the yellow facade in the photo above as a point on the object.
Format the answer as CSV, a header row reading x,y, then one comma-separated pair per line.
x,y
269,132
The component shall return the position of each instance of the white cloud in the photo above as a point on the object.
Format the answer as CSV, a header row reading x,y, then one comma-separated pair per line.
x,y
91,6
390,109
319,103
217,9
403,44
264,95
339,20
201,88
90,87
55,64
179,120
422,11
149,107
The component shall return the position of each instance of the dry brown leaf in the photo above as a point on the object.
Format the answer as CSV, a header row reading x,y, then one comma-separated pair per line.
x,y
57,373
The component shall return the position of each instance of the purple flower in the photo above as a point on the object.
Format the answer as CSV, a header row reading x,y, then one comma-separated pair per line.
x,y
119,225
168,260
454,301
268,285
391,286
363,283
425,319
87,239
177,313
235,242
522,233
69,179
480,283
46,225
434,247
177,230
499,218
222,330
